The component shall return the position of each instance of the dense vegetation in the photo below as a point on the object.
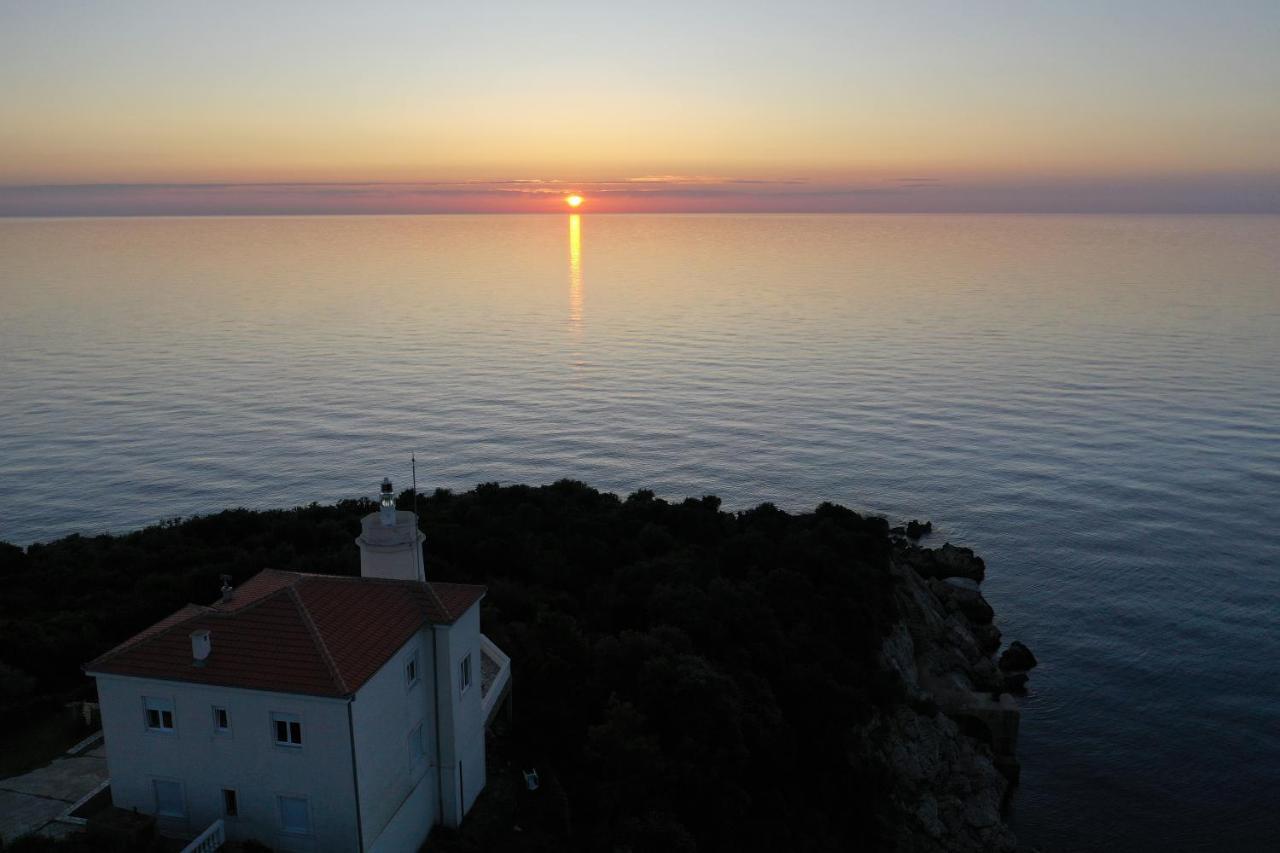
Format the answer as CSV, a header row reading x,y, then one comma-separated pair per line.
x,y
685,678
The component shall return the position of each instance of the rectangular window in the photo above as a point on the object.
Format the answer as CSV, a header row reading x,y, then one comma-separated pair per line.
x,y
417,746
169,799
411,671
221,720
464,673
158,713
286,729
230,808
295,818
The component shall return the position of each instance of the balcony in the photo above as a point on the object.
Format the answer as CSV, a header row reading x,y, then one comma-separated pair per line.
x,y
495,678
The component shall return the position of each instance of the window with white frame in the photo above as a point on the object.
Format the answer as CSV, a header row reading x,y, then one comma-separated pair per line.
x,y
230,803
158,713
417,744
464,673
221,720
286,729
411,670
169,799
295,816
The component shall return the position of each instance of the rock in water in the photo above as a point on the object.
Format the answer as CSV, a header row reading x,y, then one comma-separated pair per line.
x,y
916,529
1017,658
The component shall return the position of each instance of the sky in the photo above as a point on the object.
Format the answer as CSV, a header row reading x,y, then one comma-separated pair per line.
x,y
181,107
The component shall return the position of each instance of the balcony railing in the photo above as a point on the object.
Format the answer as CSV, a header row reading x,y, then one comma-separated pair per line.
x,y
209,840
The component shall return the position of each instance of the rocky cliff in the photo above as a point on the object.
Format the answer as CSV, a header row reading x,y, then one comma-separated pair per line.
x,y
950,748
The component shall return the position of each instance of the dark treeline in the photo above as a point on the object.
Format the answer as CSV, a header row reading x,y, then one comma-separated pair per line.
x,y
684,678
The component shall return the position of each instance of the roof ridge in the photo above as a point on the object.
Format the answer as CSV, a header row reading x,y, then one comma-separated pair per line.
x,y
435,596
355,578
319,639
151,632
403,582
365,579
198,610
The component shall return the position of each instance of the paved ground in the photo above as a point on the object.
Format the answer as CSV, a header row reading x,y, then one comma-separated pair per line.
x,y
30,801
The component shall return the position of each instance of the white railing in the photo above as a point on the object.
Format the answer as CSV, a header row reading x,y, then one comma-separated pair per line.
x,y
491,696
86,744
209,840
68,815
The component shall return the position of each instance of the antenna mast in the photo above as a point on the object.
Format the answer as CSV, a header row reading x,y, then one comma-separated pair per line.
x,y
417,552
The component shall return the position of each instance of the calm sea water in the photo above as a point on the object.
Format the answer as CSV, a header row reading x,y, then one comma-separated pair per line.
x,y
1093,403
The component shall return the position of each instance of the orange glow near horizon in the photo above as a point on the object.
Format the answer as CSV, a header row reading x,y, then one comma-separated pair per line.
x,y
185,110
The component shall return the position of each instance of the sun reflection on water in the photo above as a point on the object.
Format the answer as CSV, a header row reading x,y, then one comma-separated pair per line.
x,y
575,272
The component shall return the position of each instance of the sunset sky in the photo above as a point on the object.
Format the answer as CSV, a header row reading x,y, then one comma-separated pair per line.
x,y
184,107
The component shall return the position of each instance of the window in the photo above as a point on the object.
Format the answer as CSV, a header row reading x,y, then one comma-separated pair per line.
x,y
295,817
169,799
286,729
159,714
411,671
464,674
221,720
230,808
417,746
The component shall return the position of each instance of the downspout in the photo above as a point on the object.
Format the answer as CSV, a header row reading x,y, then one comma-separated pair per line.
x,y
355,777
435,677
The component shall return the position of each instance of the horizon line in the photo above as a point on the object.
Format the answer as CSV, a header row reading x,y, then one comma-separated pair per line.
x,y
612,213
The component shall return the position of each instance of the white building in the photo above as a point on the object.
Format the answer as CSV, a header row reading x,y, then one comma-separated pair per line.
x,y
309,712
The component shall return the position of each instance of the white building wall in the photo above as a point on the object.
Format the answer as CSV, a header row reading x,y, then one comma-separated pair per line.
x,y
412,823
462,720
398,794
246,759
401,795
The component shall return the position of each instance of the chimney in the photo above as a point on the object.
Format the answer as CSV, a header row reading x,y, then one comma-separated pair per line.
x,y
226,588
201,646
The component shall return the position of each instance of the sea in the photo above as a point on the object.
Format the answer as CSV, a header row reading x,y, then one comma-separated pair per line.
x,y
1092,403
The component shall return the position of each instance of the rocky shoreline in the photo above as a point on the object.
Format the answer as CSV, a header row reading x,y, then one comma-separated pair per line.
x,y
951,747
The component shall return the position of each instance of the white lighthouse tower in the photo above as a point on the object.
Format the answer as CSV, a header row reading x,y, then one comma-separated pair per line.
x,y
390,542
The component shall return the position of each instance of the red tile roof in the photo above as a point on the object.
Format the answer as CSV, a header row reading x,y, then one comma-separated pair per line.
x,y
290,632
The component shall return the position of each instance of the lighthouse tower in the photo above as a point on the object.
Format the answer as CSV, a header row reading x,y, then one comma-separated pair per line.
x,y
390,542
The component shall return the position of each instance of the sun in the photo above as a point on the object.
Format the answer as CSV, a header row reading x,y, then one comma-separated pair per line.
x,y
573,200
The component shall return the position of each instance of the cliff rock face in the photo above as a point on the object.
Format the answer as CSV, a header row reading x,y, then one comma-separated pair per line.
x,y
950,748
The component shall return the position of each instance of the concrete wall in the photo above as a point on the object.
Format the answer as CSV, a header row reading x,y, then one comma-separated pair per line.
x,y
398,796
246,759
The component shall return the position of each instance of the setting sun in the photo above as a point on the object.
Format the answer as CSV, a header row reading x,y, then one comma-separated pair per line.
x,y
573,200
